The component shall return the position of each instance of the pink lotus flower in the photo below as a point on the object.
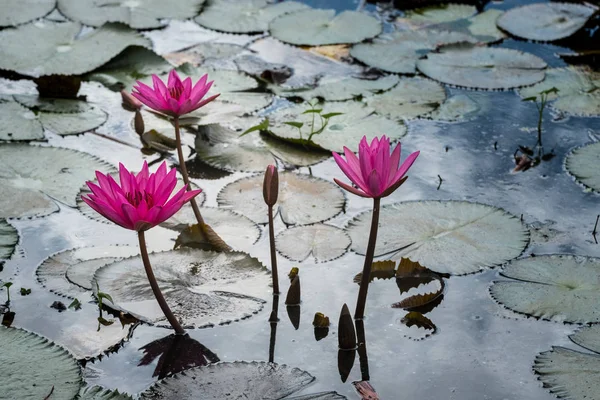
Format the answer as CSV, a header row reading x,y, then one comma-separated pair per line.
x,y
374,171
140,201
176,98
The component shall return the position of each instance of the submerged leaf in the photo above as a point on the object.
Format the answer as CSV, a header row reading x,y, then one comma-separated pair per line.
x,y
9,238
322,242
583,164
423,326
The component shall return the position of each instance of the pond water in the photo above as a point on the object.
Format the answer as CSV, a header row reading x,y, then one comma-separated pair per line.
x,y
479,350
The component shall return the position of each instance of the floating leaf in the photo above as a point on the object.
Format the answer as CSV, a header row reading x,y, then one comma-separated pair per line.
x,y
45,367
454,237
583,164
588,337
244,16
440,13
323,242
411,98
19,123
379,270
419,300
302,199
356,120
100,393
39,175
545,21
16,12
483,68
481,26
202,288
71,124
201,236
318,27
399,51
47,48
459,108
9,238
411,275
139,14
51,105
342,88
555,287
320,396
236,380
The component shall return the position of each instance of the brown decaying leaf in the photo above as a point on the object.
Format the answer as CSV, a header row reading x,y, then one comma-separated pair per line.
x,y
320,320
379,270
336,52
201,237
419,300
157,141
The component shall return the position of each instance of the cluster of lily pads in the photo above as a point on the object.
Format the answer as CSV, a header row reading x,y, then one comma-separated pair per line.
x,y
267,81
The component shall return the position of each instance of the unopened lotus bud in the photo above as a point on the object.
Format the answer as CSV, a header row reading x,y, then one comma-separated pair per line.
x,y
346,331
129,102
138,123
293,273
320,321
271,185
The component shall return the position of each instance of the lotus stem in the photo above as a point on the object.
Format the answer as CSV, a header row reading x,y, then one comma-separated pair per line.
x,y
155,289
273,253
362,350
273,320
366,275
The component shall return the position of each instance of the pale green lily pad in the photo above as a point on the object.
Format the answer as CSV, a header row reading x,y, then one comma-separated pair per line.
x,y
453,237
72,124
302,199
9,238
202,288
411,98
235,380
100,393
399,51
440,13
578,90
347,129
19,123
46,48
481,26
483,68
318,27
320,396
38,176
139,14
341,88
244,16
459,107
224,148
583,164
588,337
318,241
16,12
555,287
43,104
46,364
545,21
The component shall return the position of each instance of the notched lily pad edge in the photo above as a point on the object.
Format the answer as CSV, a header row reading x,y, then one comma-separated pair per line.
x,y
575,179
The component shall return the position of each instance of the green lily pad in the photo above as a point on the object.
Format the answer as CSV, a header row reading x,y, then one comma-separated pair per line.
x,y
411,98
235,380
72,124
19,123
322,242
138,14
341,88
318,27
453,237
483,68
481,26
545,21
245,16
302,200
46,48
43,104
38,176
588,337
440,13
202,288
459,107
356,120
399,51
100,393
582,163
555,287
9,238
578,90
47,365
16,12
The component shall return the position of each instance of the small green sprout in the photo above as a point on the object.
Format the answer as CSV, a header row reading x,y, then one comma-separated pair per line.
x,y
7,285
543,96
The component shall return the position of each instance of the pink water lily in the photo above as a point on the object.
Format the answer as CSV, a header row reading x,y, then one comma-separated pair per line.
x,y
375,172
140,201
177,97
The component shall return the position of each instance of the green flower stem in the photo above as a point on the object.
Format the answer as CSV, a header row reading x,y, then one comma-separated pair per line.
x,y
273,253
155,289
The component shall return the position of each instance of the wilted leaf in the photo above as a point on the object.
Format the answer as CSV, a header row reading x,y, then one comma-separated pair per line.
x,y
379,270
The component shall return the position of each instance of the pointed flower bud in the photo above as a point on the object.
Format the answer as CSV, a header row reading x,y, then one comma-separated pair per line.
x,y
271,186
129,102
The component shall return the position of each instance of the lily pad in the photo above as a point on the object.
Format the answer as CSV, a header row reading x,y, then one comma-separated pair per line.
x,y
555,287
320,396
411,98
202,288
235,380
483,68
44,104
459,107
47,365
545,21
72,124
318,27
440,13
588,337
583,164
139,14
399,51
38,176
302,199
322,242
9,238
47,48
19,123
344,88
69,273
578,90
100,393
16,12
356,120
245,16
454,237
481,26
